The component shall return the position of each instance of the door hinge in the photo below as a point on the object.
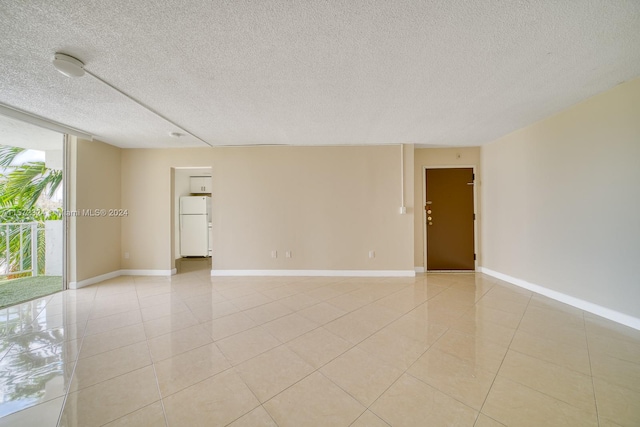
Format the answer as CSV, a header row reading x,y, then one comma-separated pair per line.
x,y
473,177
474,217
474,257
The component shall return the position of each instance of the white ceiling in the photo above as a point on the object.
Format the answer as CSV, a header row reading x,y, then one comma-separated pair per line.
x,y
234,72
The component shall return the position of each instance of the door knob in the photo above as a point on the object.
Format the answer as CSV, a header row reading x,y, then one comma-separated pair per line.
x,y
430,223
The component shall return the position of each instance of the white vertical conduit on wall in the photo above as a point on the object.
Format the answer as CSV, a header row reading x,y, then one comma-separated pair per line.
x,y
402,207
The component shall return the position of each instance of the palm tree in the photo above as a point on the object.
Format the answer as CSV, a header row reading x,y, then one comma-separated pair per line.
x,y
25,183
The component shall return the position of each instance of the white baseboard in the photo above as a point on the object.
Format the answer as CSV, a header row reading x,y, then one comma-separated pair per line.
x,y
118,273
146,272
316,273
94,280
607,313
419,269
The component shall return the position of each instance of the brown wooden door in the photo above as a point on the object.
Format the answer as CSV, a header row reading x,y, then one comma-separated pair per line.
x,y
450,219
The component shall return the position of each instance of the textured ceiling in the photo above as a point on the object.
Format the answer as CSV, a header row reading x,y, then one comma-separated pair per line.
x,y
234,72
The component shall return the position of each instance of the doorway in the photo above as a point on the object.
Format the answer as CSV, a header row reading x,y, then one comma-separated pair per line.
x,y
192,228
449,219
32,226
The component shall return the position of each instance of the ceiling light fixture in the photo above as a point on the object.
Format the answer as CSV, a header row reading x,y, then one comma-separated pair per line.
x,y
68,65
73,67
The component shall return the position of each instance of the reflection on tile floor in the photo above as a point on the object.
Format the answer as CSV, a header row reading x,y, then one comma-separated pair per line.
x,y
437,349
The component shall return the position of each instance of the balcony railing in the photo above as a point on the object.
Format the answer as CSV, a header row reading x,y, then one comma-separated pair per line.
x,y
21,248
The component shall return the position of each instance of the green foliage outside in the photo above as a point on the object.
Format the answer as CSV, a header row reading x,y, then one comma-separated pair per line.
x,y
21,187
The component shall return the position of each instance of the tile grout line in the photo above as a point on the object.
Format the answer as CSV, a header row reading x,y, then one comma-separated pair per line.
x,y
504,357
75,363
593,385
153,366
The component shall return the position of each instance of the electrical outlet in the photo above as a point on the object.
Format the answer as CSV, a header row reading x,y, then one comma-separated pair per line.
x,y
372,254
126,255
274,254
287,254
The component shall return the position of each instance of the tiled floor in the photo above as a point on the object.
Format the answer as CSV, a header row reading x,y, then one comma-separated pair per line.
x,y
438,349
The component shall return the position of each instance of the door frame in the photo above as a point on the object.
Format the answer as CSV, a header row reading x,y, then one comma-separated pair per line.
x,y
424,212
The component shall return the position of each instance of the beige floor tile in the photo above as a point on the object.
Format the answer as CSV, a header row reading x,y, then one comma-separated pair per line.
x,y
111,399
299,301
413,326
161,299
216,401
347,302
514,404
564,384
322,313
150,289
186,369
267,312
566,355
314,401
256,418
228,325
427,324
556,331
616,371
352,328
164,325
324,293
515,304
369,419
608,423
597,325
177,342
101,367
105,341
109,323
484,421
289,327
250,301
538,300
246,345
319,347
162,310
207,312
479,352
492,316
109,308
613,346
453,376
273,371
410,402
489,331
149,416
393,348
197,297
617,404
362,376
432,312
43,415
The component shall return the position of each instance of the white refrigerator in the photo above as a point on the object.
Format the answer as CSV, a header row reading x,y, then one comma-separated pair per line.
x,y
195,214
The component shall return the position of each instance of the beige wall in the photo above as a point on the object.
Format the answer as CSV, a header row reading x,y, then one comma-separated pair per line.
x,y
327,205
561,200
439,157
97,186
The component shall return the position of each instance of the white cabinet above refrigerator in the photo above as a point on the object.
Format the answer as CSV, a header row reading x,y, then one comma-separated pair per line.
x,y
200,184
